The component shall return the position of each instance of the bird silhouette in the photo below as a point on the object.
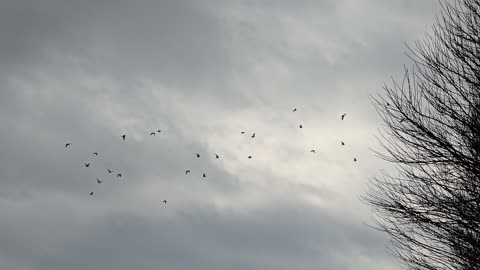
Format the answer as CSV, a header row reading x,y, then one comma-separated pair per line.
x,y
204,175
354,159
123,137
249,157
253,136
294,110
95,153
99,181
67,144
342,143
300,126
313,151
216,156
153,133
159,131
187,171
343,115
165,201
119,175
198,155
91,193
87,165
109,171
243,132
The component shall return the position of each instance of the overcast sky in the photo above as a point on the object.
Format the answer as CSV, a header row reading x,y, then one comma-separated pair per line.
x,y
86,72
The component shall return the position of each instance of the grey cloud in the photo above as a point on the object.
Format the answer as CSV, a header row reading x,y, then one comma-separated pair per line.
x,y
277,237
180,43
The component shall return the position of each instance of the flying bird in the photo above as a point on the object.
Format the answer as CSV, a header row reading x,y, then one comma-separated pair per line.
x,y
159,131
67,144
95,153
91,193
198,155
119,175
294,110
187,171
164,201
98,181
313,151
204,175
109,171
87,165
153,133
216,156
253,136
342,143
123,136
249,157
243,132
343,115
354,159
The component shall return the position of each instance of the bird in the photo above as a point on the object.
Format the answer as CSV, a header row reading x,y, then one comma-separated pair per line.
x,y
153,133
216,156
249,157
243,132
342,143
67,144
119,175
300,126
198,155
204,175
99,181
91,193
187,171
159,131
95,153
294,110
109,171
313,151
123,136
164,201
87,165
343,115
354,159
253,136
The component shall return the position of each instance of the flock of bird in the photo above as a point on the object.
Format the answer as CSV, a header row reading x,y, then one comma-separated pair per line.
x,y
119,175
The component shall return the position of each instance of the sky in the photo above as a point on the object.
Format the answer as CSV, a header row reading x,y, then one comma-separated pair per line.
x,y
86,72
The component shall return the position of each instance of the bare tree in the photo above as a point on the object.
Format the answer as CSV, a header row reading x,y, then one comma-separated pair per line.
x,y
430,207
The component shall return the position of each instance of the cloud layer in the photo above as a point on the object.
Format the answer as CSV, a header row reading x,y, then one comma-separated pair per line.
x,y
86,72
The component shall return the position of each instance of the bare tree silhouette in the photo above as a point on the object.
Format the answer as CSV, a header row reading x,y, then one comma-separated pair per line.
x,y
430,208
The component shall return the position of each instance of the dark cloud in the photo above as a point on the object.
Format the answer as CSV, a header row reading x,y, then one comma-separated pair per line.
x,y
179,43
275,237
